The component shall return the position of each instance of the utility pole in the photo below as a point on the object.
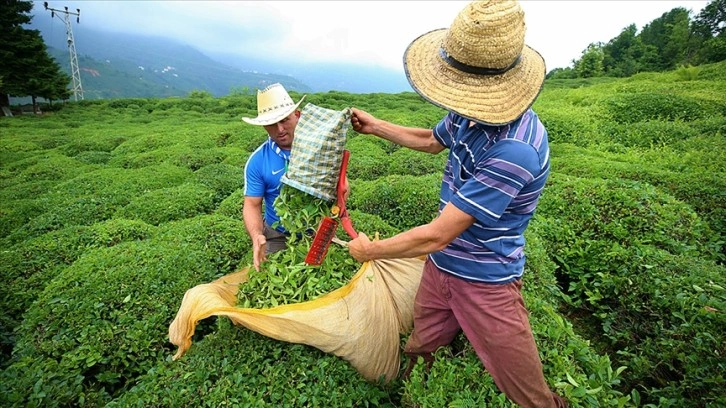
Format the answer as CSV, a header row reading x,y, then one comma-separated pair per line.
x,y
75,71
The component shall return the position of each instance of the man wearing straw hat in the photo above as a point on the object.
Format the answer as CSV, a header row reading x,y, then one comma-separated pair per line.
x,y
279,115
482,73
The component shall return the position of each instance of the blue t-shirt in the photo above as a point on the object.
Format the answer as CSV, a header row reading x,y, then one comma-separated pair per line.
x,y
263,172
495,174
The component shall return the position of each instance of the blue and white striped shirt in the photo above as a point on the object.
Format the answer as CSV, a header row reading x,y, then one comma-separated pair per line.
x,y
495,174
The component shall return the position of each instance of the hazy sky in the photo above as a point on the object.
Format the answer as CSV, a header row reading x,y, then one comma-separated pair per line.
x,y
375,32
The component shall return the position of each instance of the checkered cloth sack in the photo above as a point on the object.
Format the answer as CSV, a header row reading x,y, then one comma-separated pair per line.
x,y
317,151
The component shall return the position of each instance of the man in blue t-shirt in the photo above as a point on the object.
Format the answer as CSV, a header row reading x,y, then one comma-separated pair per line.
x,y
279,115
482,73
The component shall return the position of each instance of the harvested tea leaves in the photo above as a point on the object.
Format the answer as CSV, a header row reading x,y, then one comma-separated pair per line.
x,y
285,278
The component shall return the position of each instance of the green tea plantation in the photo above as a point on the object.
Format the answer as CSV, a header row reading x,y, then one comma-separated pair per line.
x,y
110,210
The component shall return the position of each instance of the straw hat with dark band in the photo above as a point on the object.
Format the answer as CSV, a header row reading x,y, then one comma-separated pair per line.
x,y
273,105
479,67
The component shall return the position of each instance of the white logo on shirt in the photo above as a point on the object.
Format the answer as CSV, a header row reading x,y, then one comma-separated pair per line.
x,y
274,172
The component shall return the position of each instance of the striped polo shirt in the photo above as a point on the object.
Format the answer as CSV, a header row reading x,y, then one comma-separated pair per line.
x,y
263,172
495,174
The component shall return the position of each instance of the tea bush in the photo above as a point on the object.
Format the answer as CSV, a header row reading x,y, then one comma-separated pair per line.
x,y
369,160
369,224
102,322
413,163
28,266
564,127
93,157
16,213
80,211
573,369
617,244
231,206
223,179
402,201
233,366
657,168
639,107
119,185
97,143
629,213
650,133
169,204
178,155
52,166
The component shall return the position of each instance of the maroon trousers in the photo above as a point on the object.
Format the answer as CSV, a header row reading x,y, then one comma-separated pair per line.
x,y
494,319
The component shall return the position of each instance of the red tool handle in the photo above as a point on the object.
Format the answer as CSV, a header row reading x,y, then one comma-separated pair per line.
x,y
342,190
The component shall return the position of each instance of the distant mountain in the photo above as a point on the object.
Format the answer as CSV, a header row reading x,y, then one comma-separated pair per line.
x,y
353,78
114,65
123,65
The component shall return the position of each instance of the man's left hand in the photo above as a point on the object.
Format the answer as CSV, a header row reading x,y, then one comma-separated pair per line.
x,y
357,248
259,250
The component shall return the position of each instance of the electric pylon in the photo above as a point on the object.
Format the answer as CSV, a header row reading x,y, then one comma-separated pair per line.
x,y
75,71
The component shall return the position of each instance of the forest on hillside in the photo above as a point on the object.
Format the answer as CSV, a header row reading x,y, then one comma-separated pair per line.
x,y
670,41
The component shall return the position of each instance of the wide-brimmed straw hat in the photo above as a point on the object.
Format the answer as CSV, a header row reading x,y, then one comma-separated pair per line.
x,y
479,67
273,105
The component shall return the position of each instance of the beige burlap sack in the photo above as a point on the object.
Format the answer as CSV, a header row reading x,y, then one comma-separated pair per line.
x,y
360,322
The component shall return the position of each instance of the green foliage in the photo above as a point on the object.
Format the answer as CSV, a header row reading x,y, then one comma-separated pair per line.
x,y
102,322
285,278
200,94
369,159
414,163
16,213
402,201
688,73
232,205
27,69
634,260
669,41
48,166
574,125
221,178
672,170
571,369
31,264
168,204
630,227
628,213
632,108
591,62
216,373
373,224
651,133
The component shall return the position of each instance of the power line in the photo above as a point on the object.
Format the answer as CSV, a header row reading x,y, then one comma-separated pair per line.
x,y
75,71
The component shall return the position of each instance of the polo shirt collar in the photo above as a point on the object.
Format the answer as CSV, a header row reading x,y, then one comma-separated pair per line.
x,y
284,154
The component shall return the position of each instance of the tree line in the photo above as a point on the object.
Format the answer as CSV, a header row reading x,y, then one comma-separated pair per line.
x,y
666,43
26,68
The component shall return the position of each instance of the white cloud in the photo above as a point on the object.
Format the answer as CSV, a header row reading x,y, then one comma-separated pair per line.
x,y
373,32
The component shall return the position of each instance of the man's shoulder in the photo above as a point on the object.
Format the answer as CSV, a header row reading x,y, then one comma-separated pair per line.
x,y
259,152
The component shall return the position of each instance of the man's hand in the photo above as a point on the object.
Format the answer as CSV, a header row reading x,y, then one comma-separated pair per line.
x,y
362,121
259,250
358,246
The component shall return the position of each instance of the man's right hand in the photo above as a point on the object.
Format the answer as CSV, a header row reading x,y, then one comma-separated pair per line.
x,y
259,250
362,121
